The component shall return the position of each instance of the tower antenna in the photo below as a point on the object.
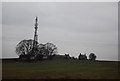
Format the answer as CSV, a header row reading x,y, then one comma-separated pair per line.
x,y
35,41
35,34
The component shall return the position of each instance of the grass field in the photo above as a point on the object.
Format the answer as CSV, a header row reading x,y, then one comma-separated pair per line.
x,y
57,69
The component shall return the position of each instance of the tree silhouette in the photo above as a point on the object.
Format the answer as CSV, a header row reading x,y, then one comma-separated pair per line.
x,y
50,49
47,49
25,50
41,49
24,47
92,56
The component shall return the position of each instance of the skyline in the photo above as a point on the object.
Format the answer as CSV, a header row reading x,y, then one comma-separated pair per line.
x,y
72,27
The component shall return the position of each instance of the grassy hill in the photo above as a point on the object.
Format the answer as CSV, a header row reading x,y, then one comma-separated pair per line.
x,y
57,69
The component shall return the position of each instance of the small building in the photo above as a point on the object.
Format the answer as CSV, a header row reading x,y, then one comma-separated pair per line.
x,y
66,56
82,57
23,57
27,57
45,57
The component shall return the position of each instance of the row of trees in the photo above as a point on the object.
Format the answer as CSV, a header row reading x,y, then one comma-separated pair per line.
x,y
25,50
25,47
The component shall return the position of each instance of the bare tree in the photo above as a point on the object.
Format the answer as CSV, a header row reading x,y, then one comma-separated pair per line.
x,y
47,50
50,49
24,47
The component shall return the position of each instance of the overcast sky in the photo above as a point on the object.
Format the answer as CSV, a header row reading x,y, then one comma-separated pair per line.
x,y
74,27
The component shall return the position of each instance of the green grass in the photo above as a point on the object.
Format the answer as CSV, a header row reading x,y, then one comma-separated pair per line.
x,y
55,69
